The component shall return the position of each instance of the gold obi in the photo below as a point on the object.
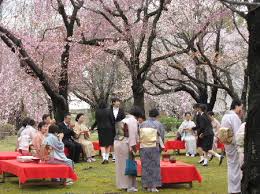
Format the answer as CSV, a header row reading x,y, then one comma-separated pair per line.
x,y
148,137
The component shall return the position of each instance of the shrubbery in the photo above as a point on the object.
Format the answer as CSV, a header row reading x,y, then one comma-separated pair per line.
x,y
6,130
170,123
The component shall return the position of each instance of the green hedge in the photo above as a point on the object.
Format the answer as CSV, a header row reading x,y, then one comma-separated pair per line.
x,y
170,123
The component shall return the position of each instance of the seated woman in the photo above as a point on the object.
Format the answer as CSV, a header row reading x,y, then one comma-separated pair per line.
x,y
53,149
25,139
82,135
188,135
39,137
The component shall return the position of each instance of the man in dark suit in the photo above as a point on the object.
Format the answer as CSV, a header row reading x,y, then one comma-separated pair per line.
x,y
206,135
74,147
197,116
117,115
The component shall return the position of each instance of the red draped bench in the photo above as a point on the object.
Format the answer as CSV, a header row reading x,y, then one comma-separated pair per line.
x,y
178,172
27,171
9,155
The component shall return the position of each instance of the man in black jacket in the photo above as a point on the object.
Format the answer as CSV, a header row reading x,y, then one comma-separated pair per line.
x,y
74,147
117,115
206,135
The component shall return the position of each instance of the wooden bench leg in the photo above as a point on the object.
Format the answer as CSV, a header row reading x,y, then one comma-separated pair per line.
x,y
3,178
190,185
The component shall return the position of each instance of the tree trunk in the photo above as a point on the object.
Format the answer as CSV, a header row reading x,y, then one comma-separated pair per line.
x,y
138,94
251,169
60,108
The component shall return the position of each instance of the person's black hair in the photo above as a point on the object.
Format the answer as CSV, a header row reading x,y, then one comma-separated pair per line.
x,y
41,124
54,129
25,121
136,111
115,99
203,107
78,116
235,103
187,113
45,116
197,105
143,117
211,113
31,122
154,113
66,114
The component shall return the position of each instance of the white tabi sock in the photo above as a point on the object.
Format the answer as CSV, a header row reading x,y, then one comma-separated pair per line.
x,y
104,156
107,156
217,155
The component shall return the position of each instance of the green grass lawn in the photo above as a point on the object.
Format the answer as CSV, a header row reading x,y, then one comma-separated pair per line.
x,y
95,178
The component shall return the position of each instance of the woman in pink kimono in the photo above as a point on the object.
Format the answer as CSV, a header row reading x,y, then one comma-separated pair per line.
x,y
124,147
39,137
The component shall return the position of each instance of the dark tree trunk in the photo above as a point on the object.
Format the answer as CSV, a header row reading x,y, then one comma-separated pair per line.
x,y
138,94
60,108
251,169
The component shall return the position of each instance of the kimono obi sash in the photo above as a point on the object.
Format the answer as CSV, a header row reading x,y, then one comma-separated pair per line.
x,y
148,137
120,133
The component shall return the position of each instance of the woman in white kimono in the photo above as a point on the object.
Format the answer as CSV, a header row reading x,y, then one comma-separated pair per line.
x,y
232,121
124,145
240,136
27,135
187,135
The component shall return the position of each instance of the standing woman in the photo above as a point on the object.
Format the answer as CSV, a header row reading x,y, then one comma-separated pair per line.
x,y
82,135
188,135
105,130
216,126
151,137
125,145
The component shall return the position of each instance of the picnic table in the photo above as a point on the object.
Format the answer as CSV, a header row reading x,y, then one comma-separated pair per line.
x,y
27,171
9,155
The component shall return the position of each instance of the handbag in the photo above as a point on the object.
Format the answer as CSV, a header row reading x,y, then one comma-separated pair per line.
x,y
130,167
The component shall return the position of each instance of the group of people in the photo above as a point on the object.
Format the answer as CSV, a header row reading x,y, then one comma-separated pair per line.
x,y
200,135
120,132
49,141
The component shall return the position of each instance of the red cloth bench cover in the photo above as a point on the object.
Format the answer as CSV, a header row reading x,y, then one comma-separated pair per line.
x,y
9,155
26,171
178,172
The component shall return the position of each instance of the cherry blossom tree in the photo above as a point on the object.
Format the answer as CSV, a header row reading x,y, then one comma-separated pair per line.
x,y
43,43
211,63
133,26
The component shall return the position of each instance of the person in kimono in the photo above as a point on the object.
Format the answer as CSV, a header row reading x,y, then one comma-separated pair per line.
x,y
151,135
117,115
26,137
188,135
216,126
82,136
39,137
240,137
125,146
53,149
232,121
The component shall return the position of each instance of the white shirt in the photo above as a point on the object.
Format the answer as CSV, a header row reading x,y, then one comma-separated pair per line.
x,y
115,112
25,140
